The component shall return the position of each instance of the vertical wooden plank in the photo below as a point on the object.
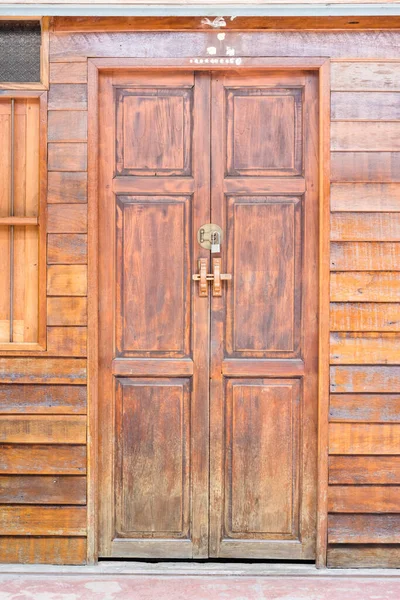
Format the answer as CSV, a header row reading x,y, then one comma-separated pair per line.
x,y
5,167
323,350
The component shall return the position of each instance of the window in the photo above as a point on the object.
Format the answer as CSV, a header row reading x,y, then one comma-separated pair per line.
x,y
19,223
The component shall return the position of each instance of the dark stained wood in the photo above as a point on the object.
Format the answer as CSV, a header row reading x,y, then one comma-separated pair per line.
x,y
67,126
67,187
368,256
363,529
365,408
366,226
45,370
68,248
363,316
67,311
364,438
365,348
67,341
42,399
363,556
42,489
364,499
67,156
67,97
94,24
369,166
365,379
42,429
262,495
28,459
43,550
67,218
152,472
359,470
43,520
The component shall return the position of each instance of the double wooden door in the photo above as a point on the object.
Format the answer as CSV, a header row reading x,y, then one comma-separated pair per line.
x,y
208,404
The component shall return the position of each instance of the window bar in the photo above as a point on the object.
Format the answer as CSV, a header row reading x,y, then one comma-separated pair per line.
x,y
12,128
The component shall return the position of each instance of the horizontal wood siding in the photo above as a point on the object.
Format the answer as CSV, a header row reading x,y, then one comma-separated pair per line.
x,y
364,415
43,399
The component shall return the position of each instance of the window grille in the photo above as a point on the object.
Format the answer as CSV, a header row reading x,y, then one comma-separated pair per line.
x,y
20,51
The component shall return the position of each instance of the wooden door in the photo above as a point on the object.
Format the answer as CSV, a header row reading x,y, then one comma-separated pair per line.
x,y
264,326
208,404
154,332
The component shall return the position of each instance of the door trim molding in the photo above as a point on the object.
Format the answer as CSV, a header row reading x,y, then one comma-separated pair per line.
x,y
322,66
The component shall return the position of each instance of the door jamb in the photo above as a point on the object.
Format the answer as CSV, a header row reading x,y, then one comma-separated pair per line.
x,y
322,66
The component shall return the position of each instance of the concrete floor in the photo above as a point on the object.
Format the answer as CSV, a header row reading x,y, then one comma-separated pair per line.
x,y
127,581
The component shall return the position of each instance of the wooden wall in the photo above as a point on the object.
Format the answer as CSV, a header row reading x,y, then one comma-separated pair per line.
x,y
364,440
43,400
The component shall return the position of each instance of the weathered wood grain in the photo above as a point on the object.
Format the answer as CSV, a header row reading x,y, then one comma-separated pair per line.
x,y
371,136
64,46
365,256
365,197
43,520
68,248
67,311
364,499
68,72
66,188
45,459
365,167
365,408
360,316
43,370
43,550
42,399
374,348
363,556
67,156
368,286
365,226
67,341
365,76
42,489
67,280
363,529
373,106
367,470
363,438
67,126
376,379
42,429
67,97
67,218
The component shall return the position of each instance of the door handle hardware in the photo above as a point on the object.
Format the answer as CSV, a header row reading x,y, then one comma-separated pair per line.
x,y
216,277
210,237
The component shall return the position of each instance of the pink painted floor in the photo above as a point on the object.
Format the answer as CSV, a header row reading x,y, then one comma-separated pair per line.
x,y
127,587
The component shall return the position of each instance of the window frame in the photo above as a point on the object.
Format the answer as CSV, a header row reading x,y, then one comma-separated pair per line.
x,y
29,348
43,84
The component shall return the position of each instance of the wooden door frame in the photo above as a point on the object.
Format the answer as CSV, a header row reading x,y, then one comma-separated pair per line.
x,y
322,67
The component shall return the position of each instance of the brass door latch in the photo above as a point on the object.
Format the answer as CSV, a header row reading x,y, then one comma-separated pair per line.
x,y
216,277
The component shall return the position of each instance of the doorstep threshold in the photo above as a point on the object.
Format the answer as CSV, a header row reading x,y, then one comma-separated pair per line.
x,y
194,569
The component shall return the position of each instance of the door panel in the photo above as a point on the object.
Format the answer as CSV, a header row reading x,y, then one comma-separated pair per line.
x,y
207,405
154,335
263,390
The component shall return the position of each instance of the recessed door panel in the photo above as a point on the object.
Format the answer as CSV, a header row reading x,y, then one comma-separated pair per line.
x,y
153,267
